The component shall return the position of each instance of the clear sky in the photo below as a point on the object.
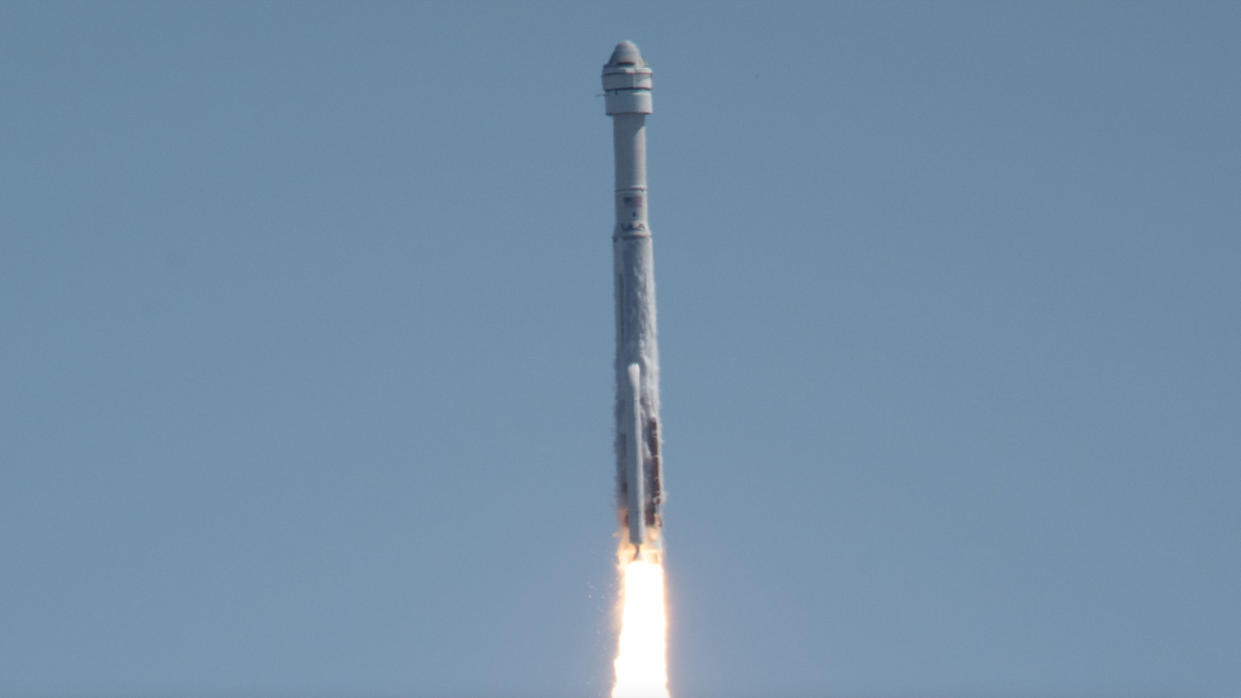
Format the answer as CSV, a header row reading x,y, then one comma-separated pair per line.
x,y
306,342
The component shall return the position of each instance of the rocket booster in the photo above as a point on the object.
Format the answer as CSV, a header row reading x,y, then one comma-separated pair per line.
x,y
627,91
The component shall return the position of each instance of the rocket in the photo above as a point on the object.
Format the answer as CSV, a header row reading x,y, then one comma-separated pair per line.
x,y
639,479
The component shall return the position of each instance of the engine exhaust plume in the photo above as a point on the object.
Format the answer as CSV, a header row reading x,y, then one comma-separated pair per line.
x,y
641,659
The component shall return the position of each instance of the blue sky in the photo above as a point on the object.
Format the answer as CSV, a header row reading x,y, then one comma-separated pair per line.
x,y
306,348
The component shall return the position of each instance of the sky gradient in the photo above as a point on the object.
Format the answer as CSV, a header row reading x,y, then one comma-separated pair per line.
x,y
306,342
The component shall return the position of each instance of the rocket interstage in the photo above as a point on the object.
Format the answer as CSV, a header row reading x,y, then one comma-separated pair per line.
x,y
627,94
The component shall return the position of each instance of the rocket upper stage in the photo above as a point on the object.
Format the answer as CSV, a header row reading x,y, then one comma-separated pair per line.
x,y
627,81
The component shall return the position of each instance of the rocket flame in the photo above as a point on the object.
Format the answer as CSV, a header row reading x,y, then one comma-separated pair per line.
x,y
641,663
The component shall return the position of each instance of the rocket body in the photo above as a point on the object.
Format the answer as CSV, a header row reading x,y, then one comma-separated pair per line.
x,y
627,91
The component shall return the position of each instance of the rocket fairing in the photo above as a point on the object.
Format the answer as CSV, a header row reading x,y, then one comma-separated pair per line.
x,y
627,94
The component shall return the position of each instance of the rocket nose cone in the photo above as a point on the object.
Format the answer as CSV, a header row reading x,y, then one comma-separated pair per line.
x,y
626,53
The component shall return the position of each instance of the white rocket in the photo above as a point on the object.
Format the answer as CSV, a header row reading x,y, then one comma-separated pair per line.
x,y
627,91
